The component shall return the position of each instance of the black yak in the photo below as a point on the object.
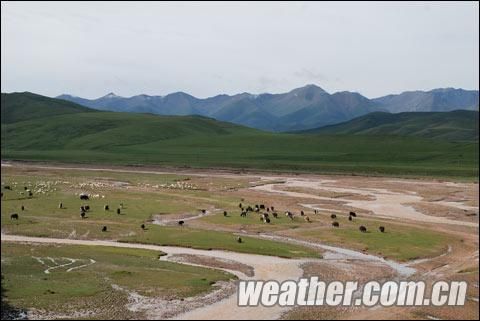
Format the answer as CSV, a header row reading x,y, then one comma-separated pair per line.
x,y
14,216
362,229
333,216
104,229
336,224
84,197
382,229
181,223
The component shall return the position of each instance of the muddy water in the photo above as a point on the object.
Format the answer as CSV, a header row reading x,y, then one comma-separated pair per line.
x,y
385,203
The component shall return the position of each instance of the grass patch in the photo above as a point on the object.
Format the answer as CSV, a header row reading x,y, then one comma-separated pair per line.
x,y
203,239
27,286
400,243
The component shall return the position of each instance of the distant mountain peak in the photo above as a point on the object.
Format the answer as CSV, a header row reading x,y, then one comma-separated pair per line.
x,y
309,106
111,95
309,87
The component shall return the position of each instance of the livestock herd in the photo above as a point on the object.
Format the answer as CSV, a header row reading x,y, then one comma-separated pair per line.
x,y
262,211
265,211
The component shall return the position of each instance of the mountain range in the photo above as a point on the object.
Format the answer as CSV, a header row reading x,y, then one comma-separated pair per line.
x,y
299,109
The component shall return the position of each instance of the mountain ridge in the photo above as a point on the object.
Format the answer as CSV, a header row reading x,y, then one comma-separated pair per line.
x,y
301,108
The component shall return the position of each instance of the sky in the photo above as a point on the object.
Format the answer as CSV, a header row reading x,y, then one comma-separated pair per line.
x,y
205,49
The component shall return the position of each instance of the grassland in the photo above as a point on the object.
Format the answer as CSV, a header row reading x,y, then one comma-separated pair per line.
x,y
42,217
83,136
458,125
89,289
399,242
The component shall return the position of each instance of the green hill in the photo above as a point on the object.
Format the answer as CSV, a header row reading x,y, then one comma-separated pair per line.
x,y
456,125
79,135
23,106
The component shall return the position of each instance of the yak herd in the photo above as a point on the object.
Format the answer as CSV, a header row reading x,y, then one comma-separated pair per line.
x,y
263,211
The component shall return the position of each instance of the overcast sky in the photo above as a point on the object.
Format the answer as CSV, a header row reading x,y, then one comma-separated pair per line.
x,y
90,49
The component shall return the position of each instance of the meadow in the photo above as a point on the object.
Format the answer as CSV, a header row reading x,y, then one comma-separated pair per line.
x,y
101,288
197,142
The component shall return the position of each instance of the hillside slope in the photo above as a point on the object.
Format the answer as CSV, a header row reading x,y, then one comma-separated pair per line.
x,y
23,106
454,125
197,141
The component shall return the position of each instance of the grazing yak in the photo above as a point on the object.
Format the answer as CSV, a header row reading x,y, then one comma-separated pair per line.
x,y
204,211
243,214
225,213
87,208
60,205
104,229
14,216
82,214
333,216
336,224
315,212
239,240
308,219
84,197
382,229
353,214
275,215
142,226
30,194
7,187
118,210
262,207
23,208
272,208
350,218
362,229
302,213
266,220
82,209
289,215
106,208
240,205
181,223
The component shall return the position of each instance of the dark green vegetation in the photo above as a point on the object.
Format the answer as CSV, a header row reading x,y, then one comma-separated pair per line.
x,y
123,138
100,288
459,125
24,106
